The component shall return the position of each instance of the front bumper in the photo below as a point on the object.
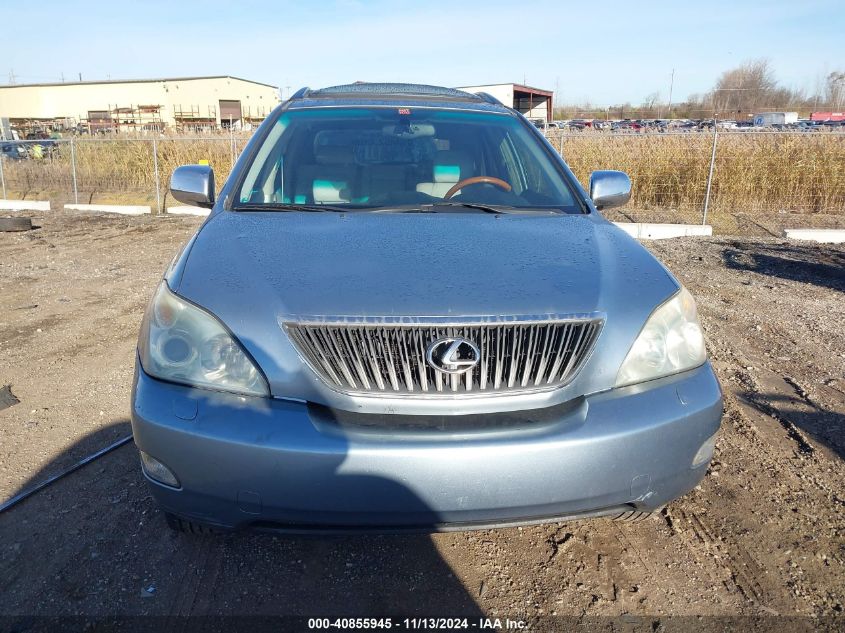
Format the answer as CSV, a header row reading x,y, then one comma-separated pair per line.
x,y
276,464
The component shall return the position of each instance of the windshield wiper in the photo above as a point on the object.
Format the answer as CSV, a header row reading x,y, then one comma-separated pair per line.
x,y
470,205
431,207
496,208
284,206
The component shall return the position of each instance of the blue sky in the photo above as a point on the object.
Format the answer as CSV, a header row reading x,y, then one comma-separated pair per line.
x,y
604,53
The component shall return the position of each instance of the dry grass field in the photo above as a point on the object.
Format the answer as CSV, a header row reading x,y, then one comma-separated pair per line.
x,y
756,173
117,170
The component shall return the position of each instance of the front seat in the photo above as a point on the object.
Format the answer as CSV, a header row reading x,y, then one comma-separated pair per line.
x,y
450,166
331,179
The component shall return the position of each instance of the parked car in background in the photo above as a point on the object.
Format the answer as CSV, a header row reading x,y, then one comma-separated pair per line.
x,y
627,125
13,150
40,145
404,313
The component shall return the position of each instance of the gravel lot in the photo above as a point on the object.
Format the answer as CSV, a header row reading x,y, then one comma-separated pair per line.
x,y
764,534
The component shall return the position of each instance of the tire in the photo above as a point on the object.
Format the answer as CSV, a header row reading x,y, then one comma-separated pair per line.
x,y
633,516
15,224
183,526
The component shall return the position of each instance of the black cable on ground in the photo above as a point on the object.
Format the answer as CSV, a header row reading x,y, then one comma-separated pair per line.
x,y
28,493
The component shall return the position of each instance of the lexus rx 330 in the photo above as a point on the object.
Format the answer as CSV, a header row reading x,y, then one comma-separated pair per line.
x,y
404,312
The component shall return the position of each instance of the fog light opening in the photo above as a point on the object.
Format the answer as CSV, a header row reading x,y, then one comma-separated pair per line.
x,y
705,452
157,471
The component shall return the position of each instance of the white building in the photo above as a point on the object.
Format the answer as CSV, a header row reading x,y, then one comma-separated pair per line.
x,y
534,103
138,104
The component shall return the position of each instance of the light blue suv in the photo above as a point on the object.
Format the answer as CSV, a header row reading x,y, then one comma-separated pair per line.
x,y
404,313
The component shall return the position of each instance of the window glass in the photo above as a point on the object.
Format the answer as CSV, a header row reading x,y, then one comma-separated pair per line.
x,y
379,157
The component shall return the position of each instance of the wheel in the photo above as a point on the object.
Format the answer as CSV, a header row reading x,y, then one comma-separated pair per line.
x,y
178,524
15,224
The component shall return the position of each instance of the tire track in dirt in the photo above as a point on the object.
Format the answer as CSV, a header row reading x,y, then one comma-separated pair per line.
x,y
198,581
704,543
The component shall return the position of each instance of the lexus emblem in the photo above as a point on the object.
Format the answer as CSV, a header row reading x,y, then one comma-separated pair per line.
x,y
452,355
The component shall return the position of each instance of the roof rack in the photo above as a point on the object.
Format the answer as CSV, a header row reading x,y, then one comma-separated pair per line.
x,y
488,98
300,93
393,89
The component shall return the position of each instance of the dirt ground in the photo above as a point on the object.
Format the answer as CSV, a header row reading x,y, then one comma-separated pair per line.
x,y
764,534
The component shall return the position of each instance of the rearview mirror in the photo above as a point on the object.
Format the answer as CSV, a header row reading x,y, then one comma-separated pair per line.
x,y
409,130
609,188
194,185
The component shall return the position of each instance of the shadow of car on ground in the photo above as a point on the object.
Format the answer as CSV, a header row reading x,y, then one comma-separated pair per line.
x,y
95,543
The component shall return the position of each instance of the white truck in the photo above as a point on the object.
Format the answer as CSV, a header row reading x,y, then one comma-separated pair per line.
x,y
768,119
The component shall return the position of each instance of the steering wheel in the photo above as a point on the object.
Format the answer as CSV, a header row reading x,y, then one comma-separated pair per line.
x,y
475,180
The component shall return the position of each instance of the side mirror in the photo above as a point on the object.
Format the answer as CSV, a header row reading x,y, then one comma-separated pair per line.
x,y
609,189
194,185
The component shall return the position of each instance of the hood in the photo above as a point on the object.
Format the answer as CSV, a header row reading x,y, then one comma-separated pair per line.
x,y
253,269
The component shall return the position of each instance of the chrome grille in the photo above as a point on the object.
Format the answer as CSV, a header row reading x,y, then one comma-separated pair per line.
x,y
381,356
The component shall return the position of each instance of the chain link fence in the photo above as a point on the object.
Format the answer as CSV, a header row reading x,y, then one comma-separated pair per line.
x,y
730,179
132,171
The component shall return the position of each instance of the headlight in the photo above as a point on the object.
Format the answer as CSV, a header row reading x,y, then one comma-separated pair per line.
x,y
182,343
670,342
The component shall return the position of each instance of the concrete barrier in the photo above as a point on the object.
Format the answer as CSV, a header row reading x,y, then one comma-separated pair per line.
x,y
827,236
645,231
110,208
25,205
188,210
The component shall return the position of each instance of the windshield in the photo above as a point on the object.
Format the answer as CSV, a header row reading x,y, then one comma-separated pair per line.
x,y
360,158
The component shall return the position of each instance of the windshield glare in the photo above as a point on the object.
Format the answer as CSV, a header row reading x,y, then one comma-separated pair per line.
x,y
381,157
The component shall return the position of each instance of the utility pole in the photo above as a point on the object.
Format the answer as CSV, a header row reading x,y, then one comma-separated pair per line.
x,y
556,98
12,77
671,85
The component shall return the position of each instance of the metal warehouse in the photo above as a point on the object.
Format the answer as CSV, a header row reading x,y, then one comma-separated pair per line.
x,y
535,103
138,105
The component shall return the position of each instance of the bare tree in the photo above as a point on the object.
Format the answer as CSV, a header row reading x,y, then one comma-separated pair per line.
x,y
835,89
748,87
650,100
